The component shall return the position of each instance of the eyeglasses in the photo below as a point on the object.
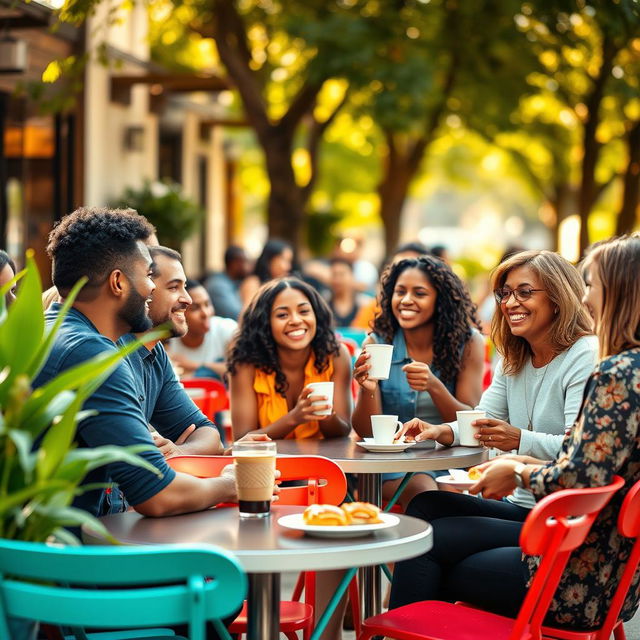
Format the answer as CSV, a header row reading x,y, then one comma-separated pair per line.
x,y
520,294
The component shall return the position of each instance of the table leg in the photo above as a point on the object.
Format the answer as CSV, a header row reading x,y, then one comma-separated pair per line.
x,y
263,603
369,490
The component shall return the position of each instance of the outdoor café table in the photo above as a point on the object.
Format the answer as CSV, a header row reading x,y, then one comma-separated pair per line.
x,y
265,549
369,466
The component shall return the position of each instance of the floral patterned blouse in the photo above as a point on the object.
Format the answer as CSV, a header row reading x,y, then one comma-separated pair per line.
x,y
603,442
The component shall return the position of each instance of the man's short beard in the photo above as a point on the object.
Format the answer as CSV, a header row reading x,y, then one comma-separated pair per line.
x,y
134,313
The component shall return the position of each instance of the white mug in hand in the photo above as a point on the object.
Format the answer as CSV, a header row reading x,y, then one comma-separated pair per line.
x,y
380,360
466,431
384,428
322,389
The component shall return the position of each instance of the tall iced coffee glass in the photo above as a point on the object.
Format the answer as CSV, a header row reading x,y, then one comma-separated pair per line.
x,y
255,466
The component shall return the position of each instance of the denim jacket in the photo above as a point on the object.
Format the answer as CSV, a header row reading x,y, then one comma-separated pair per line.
x,y
398,398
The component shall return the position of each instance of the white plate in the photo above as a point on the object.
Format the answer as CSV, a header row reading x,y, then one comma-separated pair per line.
x,y
294,521
370,445
460,485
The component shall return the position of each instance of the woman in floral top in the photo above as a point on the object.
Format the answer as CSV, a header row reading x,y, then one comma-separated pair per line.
x,y
602,443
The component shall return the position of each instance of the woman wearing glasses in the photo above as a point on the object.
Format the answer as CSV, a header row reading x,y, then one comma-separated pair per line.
x,y
543,334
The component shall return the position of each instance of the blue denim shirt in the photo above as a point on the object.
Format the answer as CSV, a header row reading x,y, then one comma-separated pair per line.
x,y
398,398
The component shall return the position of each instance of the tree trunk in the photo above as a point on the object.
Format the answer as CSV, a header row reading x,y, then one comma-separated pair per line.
x,y
285,204
628,216
392,191
591,146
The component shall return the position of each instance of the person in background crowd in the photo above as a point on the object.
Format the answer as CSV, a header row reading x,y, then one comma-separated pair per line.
x,y
224,287
440,251
285,342
201,351
603,442
437,365
345,300
543,334
7,273
275,261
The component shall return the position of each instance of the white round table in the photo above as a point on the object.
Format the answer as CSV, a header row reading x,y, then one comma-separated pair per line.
x,y
265,549
369,466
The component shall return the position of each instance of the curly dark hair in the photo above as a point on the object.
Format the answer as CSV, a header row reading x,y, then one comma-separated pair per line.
x,y
454,314
254,343
93,242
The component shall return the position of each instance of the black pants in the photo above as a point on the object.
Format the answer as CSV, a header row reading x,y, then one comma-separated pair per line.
x,y
475,556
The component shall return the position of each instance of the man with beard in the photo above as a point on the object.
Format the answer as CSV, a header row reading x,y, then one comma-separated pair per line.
x,y
167,405
177,426
108,247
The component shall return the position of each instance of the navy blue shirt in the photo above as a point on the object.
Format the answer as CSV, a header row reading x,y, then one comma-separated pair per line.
x,y
165,403
121,418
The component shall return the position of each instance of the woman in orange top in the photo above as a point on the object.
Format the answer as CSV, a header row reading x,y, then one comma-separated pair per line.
x,y
284,343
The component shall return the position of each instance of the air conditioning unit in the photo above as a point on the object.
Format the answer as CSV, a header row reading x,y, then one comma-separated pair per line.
x,y
13,55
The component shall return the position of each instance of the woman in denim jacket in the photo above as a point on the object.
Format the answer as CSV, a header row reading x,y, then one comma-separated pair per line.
x,y
438,354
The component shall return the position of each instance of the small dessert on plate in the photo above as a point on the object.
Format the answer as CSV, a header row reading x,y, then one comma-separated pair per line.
x,y
362,512
474,473
327,515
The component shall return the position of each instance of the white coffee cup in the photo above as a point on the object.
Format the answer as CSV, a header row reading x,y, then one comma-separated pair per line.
x,y
380,360
322,389
384,428
466,431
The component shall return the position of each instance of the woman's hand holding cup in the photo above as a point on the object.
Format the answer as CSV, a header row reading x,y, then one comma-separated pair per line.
x,y
361,372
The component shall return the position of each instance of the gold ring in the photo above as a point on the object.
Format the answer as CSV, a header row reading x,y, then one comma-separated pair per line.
x,y
489,438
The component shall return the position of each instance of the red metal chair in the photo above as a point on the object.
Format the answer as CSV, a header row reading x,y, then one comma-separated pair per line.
x,y
556,526
326,484
629,526
214,396
212,399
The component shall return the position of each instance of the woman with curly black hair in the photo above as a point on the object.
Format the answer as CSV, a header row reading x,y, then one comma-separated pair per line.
x,y
438,356
284,343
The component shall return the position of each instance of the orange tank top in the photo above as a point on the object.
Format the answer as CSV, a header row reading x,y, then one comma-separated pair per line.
x,y
271,405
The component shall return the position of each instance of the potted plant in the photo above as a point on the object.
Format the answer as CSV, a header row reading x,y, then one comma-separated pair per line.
x,y
175,217
41,468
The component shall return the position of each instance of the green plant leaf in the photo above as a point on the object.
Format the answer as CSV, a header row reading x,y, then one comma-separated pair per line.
x,y
99,456
25,318
57,440
24,445
4,289
88,375
47,412
43,351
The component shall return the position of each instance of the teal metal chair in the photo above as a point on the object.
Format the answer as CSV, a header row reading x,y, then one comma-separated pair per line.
x,y
125,588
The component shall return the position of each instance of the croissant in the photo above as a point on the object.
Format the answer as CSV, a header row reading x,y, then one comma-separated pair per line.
x,y
325,515
362,512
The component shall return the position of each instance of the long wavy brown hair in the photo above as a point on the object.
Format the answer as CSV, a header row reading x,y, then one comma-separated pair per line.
x,y
563,286
454,314
617,262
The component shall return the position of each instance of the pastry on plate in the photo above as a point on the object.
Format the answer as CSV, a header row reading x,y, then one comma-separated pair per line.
x,y
362,512
327,515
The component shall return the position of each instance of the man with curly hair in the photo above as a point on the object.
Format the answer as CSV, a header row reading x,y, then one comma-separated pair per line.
x,y
108,247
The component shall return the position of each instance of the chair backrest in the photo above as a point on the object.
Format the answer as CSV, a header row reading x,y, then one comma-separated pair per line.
x,y
557,525
214,396
629,526
326,482
142,586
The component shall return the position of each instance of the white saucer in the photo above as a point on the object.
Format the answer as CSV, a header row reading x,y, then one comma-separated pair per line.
x,y
370,445
460,485
295,521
